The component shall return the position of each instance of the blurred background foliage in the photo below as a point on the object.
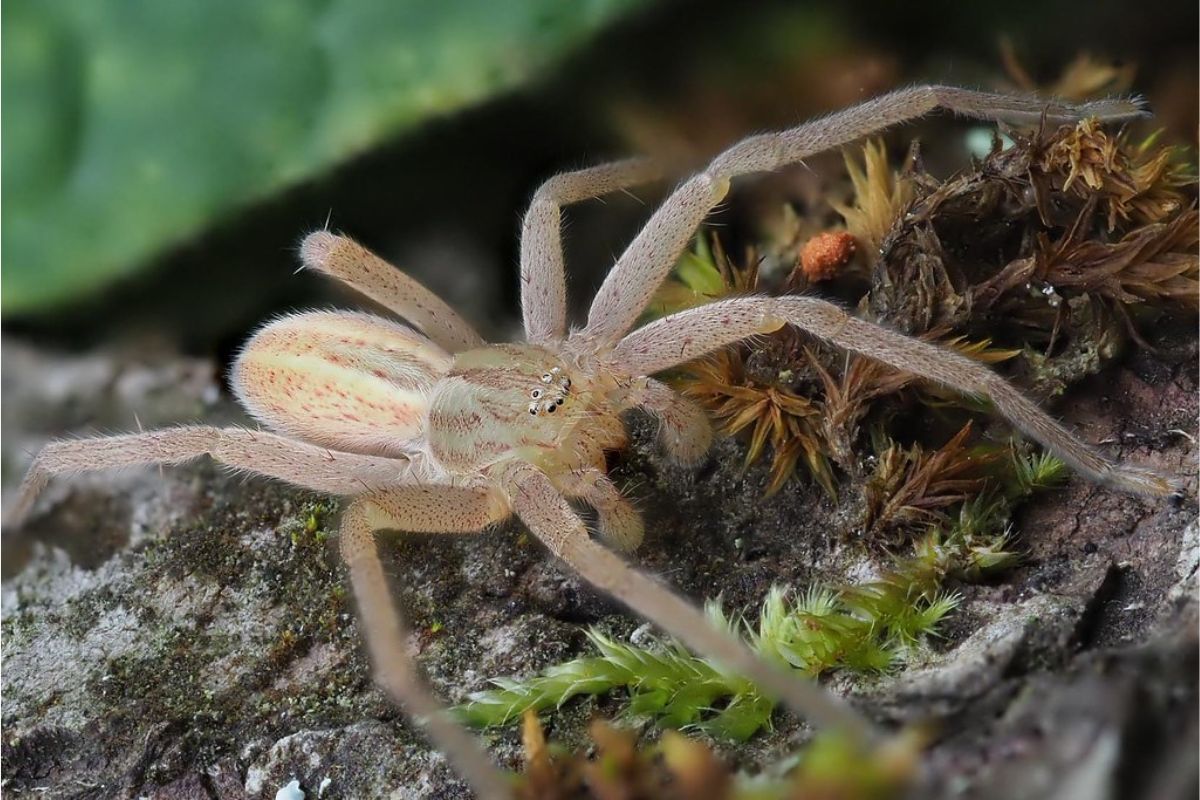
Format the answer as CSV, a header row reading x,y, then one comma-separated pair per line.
x,y
164,159
132,126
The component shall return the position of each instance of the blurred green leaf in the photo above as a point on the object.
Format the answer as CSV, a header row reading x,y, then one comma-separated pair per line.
x,y
130,126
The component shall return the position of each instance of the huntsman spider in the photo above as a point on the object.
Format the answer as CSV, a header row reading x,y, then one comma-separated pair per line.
x,y
430,429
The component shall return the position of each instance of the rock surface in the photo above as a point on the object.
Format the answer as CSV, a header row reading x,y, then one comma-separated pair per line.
x,y
189,635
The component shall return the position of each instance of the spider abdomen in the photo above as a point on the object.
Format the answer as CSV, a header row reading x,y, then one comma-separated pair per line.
x,y
350,381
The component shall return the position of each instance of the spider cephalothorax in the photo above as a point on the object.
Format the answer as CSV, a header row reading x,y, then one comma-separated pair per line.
x,y
437,431
505,401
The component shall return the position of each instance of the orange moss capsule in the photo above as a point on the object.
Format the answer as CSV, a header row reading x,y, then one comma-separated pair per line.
x,y
825,254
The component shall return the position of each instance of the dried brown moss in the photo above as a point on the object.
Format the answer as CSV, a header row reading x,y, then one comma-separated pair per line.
x,y
1042,259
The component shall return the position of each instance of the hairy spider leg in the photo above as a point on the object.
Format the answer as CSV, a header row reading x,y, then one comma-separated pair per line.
x,y
653,252
684,428
258,452
543,274
618,522
550,518
689,334
426,509
360,269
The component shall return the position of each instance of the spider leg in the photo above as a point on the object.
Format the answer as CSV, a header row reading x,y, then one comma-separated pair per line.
x,y
551,519
543,279
619,523
250,450
648,259
689,334
684,429
362,270
416,509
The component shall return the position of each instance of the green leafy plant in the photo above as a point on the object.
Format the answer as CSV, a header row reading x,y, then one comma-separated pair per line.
x,y
134,126
977,541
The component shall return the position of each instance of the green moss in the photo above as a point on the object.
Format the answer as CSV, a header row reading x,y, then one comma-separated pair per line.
x,y
863,628
868,627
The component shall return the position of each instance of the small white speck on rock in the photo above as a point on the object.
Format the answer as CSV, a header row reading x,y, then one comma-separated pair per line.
x,y
641,636
291,791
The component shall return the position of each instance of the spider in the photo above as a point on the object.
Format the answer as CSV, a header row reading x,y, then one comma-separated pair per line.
x,y
430,429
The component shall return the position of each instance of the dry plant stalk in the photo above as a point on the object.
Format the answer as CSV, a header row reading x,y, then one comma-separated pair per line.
x,y
1155,263
966,262
848,398
620,770
677,768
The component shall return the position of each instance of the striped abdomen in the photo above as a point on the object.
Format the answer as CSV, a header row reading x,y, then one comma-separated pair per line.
x,y
346,380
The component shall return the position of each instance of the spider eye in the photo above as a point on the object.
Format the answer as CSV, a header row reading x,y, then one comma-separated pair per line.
x,y
547,377
566,383
536,394
550,408
533,409
557,402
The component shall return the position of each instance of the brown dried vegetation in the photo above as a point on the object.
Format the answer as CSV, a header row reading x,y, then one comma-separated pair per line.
x,y
911,487
1045,258
677,768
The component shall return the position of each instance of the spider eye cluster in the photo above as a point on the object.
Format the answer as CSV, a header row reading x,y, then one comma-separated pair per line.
x,y
551,394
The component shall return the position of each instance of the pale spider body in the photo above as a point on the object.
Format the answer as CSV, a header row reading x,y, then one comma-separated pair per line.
x,y
428,428
372,386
